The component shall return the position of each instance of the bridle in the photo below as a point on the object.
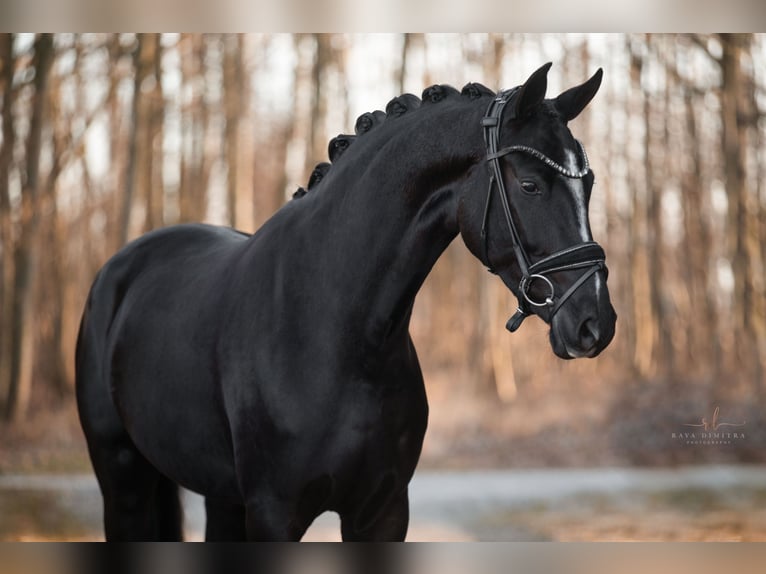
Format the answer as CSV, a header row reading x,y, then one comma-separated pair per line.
x,y
587,255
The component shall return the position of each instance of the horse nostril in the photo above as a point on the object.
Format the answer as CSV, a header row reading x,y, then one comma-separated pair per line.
x,y
589,334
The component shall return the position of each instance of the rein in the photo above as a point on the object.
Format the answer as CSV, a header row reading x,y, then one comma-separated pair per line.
x,y
587,255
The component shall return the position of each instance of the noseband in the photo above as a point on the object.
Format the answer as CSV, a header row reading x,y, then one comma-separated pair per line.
x,y
587,255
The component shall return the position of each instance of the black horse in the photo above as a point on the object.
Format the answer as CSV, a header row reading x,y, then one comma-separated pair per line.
x,y
274,373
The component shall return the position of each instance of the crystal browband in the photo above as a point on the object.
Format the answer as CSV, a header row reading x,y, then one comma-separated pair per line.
x,y
545,159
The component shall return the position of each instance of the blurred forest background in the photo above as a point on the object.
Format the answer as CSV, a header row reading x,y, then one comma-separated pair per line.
x,y
105,137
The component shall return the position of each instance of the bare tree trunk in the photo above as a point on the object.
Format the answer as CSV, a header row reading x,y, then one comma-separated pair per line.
x,y
655,248
155,191
139,74
26,256
146,92
234,95
248,46
748,122
53,251
323,60
6,229
704,349
273,154
733,148
60,377
644,328
409,42
117,179
195,168
401,72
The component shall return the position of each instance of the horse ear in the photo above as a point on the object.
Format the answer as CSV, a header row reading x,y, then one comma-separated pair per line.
x,y
570,103
532,91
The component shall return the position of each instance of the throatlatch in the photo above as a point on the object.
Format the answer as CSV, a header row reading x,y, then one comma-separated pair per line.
x,y
587,255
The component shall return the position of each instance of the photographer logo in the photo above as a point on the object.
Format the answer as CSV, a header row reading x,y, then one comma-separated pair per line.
x,y
711,431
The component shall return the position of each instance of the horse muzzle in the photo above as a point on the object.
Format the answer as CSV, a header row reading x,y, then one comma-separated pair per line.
x,y
583,335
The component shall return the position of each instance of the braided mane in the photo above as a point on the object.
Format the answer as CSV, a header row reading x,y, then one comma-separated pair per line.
x,y
397,107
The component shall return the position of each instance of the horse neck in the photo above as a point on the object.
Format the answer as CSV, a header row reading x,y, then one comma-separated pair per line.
x,y
393,211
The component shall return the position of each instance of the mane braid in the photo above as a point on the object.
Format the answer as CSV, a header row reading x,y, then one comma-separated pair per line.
x,y
369,120
438,92
338,145
396,107
318,173
400,105
474,91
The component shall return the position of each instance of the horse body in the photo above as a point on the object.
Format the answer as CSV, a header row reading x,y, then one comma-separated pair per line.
x,y
274,373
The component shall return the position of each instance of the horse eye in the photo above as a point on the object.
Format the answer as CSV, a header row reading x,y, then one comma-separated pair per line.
x,y
530,187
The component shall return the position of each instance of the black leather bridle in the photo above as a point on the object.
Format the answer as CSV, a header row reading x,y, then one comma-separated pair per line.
x,y
587,255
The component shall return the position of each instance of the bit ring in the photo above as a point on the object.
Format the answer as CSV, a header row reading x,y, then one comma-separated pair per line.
x,y
525,284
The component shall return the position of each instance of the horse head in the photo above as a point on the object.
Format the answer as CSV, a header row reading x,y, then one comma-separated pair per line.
x,y
532,227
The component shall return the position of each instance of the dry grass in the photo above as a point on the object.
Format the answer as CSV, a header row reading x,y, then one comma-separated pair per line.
x,y
50,440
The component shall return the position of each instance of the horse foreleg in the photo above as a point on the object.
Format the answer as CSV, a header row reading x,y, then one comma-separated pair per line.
x,y
272,520
389,524
268,520
226,521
